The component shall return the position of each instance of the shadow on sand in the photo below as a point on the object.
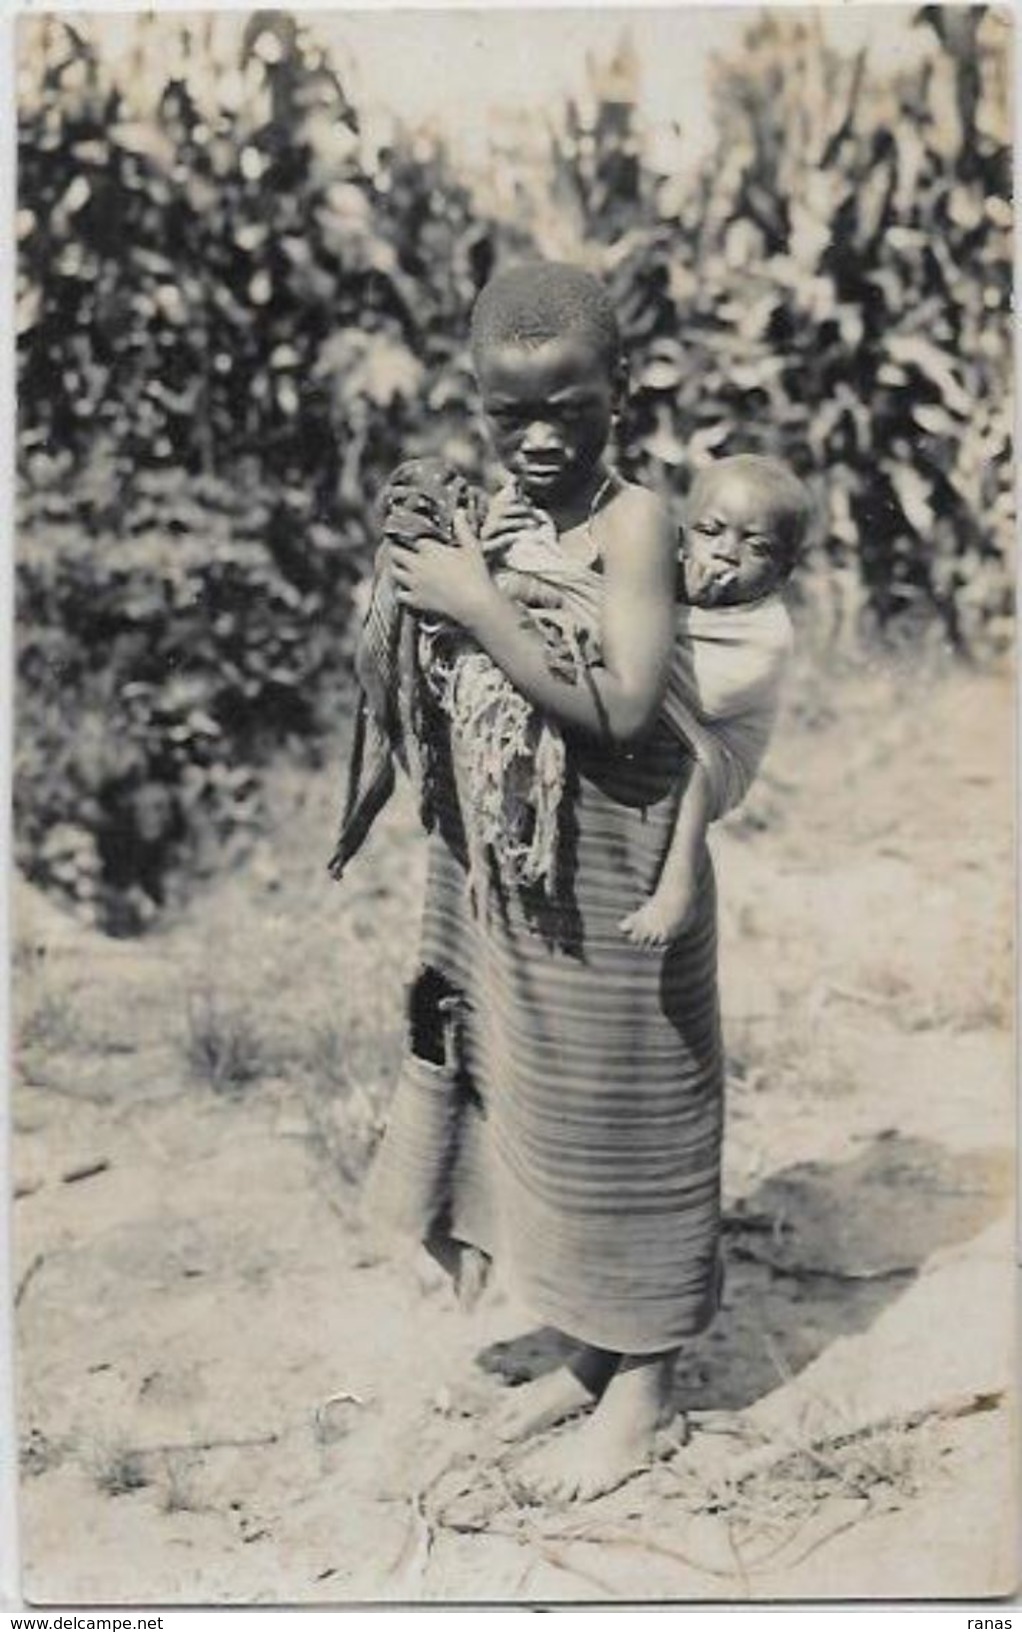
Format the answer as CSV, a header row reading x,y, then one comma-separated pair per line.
x,y
814,1254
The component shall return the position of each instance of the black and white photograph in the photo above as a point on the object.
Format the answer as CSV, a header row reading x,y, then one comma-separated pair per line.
x,y
512,1097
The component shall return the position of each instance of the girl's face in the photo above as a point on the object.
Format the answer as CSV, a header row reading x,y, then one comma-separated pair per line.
x,y
734,548
549,409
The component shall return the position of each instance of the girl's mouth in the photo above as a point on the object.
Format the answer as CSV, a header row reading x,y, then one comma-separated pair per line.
x,y
539,475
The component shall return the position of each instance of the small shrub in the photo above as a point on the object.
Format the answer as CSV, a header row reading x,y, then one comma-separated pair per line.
x,y
788,1054
225,1046
48,1023
185,662
39,1453
178,1492
324,1058
118,1470
345,1128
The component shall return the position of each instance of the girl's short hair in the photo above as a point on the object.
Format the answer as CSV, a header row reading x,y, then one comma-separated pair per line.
x,y
541,300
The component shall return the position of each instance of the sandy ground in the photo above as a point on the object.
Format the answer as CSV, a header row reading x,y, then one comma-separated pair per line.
x,y
227,1397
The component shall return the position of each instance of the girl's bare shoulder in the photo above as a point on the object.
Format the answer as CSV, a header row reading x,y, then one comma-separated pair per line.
x,y
635,513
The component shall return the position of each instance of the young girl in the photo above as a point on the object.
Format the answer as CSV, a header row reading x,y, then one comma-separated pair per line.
x,y
589,1152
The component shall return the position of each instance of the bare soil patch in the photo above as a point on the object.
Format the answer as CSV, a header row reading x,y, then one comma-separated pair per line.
x,y
226,1397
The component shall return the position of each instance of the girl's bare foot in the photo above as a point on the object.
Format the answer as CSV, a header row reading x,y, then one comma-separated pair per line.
x,y
559,1394
614,1444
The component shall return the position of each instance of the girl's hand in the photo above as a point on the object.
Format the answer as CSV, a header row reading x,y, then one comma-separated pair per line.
x,y
508,514
508,517
453,583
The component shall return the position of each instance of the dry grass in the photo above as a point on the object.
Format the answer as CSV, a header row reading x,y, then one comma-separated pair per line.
x,y
294,997
765,1510
225,1046
786,1051
117,1469
49,1021
178,1484
852,1472
325,1058
40,1452
975,995
344,1129
307,983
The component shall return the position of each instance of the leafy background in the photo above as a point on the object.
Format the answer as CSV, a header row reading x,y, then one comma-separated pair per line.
x,y
238,305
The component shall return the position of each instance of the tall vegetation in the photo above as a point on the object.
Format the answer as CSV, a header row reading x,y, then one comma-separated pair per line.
x,y
238,305
835,287
235,312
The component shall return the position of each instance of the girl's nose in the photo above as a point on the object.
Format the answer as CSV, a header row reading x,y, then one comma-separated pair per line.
x,y
539,435
726,546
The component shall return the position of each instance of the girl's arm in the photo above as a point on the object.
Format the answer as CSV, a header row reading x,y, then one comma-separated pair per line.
x,y
638,546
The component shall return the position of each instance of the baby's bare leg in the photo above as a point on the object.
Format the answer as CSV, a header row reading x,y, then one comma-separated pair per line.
x,y
556,1395
669,910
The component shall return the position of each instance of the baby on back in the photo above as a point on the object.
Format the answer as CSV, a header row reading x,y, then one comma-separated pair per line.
x,y
746,519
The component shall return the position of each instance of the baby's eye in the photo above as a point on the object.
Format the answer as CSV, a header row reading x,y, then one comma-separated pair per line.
x,y
761,547
707,526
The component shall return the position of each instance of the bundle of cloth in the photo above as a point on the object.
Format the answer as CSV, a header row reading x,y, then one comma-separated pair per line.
x,y
432,702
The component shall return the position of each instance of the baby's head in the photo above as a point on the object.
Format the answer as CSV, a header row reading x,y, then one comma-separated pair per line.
x,y
547,354
746,519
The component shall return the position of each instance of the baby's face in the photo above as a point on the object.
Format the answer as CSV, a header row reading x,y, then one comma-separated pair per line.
x,y
734,549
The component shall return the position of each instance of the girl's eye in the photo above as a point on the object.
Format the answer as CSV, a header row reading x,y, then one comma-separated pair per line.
x,y
761,546
707,527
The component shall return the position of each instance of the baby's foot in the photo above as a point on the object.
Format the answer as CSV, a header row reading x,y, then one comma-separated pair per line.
x,y
659,920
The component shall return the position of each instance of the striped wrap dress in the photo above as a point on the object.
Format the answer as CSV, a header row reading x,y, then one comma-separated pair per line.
x,y
574,1129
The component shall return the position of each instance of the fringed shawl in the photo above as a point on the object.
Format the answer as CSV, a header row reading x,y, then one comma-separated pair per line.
x,y
722,698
